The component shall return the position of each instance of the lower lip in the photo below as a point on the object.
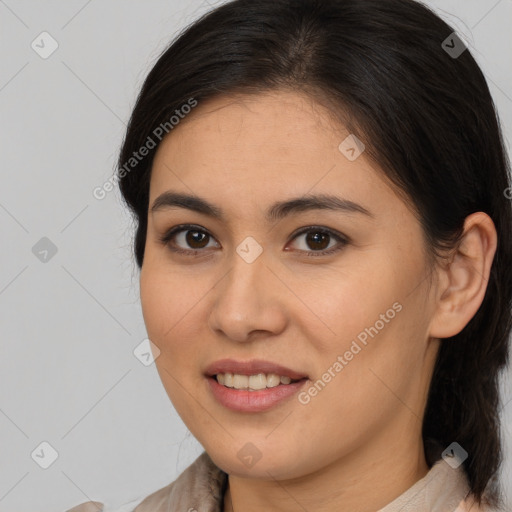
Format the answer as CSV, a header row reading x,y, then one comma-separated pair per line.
x,y
253,401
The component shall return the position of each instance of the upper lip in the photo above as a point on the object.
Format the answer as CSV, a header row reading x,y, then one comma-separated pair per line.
x,y
252,367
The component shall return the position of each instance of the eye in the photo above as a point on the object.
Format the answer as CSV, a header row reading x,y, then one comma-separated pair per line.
x,y
191,240
185,235
317,241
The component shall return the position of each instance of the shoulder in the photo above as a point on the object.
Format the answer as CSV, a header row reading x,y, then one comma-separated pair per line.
x,y
201,486
89,506
471,505
97,506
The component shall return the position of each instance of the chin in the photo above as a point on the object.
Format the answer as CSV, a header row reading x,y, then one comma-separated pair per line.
x,y
265,462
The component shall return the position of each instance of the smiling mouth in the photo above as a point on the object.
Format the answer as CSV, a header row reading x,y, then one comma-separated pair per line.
x,y
256,382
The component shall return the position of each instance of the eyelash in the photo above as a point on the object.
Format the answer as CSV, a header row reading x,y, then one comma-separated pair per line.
x,y
168,236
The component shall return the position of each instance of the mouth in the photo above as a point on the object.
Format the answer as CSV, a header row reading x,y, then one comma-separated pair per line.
x,y
252,386
255,382
255,374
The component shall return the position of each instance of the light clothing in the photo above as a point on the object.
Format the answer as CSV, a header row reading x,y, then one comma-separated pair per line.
x,y
201,486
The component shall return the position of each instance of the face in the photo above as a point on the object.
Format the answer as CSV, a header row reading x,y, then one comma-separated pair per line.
x,y
333,295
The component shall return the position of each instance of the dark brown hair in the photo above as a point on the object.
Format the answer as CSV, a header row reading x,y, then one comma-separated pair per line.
x,y
427,118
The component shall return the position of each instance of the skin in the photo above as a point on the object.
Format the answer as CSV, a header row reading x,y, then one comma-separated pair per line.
x,y
357,444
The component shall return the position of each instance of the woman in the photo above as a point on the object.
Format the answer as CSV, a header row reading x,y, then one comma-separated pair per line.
x,y
324,241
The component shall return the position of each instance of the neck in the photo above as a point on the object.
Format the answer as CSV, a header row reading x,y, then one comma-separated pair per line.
x,y
360,481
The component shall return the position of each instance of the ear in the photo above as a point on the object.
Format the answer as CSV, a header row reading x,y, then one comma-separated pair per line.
x,y
463,281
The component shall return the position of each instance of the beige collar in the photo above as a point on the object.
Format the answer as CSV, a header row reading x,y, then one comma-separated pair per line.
x,y
202,485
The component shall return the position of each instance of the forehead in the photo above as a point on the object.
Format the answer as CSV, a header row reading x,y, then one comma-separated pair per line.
x,y
262,147
283,127
269,107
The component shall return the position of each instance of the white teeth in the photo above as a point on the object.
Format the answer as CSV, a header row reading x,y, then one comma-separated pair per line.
x,y
240,381
252,382
228,380
258,381
273,380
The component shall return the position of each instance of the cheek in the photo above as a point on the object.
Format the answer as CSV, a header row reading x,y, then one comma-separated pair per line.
x,y
375,324
173,307
347,302
376,356
167,314
155,304
164,305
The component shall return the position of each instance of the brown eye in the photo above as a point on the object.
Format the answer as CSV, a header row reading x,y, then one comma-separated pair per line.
x,y
196,239
317,241
186,239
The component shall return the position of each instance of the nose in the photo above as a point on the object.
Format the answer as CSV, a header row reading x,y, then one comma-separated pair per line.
x,y
248,300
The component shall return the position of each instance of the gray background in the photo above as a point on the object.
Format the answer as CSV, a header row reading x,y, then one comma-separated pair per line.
x,y
69,326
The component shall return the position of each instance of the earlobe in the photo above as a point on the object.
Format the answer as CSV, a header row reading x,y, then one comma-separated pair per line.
x,y
464,280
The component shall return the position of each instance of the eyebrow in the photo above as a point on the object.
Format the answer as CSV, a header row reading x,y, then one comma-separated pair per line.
x,y
277,211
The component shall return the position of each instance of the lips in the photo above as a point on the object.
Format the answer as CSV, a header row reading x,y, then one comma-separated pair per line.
x,y
252,367
237,397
